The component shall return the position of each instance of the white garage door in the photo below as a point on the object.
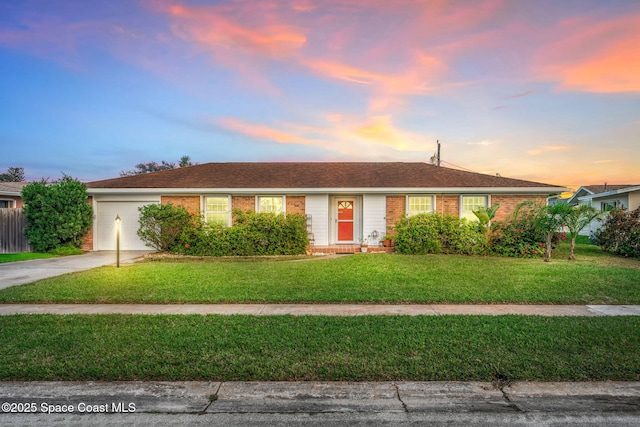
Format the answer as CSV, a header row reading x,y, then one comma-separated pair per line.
x,y
106,213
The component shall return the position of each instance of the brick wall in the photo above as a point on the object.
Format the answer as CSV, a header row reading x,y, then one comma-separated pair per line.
x,y
396,206
190,203
448,205
244,203
295,204
18,199
508,203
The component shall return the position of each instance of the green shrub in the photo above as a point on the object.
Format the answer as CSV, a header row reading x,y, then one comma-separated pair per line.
x,y
57,214
621,233
433,234
66,251
516,238
162,225
252,234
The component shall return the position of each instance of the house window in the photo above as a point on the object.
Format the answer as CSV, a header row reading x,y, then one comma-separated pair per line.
x,y
6,204
419,204
216,210
470,204
271,204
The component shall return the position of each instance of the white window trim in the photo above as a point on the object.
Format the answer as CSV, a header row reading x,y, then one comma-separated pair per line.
x,y
487,198
203,203
284,201
12,203
433,202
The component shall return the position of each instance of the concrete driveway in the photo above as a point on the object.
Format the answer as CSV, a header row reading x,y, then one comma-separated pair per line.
x,y
18,273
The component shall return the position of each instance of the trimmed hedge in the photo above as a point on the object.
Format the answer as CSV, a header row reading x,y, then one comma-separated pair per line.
x,y
434,234
170,228
162,225
252,234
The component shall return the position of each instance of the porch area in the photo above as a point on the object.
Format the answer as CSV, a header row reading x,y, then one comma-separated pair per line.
x,y
346,249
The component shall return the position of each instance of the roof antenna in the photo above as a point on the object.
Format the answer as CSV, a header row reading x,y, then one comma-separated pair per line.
x,y
435,159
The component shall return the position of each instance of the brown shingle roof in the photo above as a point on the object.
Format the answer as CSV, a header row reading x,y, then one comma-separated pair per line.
x,y
596,189
315,175
12,187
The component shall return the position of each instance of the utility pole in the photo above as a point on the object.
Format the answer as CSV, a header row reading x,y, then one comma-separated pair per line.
x,y
435,159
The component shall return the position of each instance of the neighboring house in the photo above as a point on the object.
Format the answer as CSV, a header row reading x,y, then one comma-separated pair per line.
x,y
10,194
343,202
604,198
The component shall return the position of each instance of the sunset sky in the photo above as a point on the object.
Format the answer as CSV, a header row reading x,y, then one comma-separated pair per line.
x,y
547,91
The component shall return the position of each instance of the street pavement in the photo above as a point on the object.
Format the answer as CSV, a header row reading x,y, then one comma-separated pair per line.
x,y
320,403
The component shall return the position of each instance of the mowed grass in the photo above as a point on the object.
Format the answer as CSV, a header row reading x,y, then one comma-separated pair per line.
x,y
23,256
594,278
368,348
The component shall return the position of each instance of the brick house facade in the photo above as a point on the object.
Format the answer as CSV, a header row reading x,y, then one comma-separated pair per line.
x,y
343,202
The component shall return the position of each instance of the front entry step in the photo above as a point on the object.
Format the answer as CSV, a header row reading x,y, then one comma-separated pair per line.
x,y
345,249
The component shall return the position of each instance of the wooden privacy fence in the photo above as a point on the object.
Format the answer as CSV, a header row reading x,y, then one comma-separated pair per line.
x,y
12,238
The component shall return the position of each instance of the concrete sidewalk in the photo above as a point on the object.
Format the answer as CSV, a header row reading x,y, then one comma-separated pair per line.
x,y
320,403
325,309
18,273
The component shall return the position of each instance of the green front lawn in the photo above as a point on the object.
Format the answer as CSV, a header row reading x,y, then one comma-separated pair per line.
x,y
369,348
23,256
594,278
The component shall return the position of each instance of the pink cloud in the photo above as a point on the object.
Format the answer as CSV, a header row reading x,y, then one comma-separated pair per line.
x,y
337,133
215,30
53,38
261,132
596,56
379,129
337,40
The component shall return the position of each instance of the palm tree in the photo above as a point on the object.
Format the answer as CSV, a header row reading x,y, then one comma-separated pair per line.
x,y
576,220
485,215
548,219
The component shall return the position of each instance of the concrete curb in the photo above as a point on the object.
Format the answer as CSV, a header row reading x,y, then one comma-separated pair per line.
x,y
325,309
194,397
320,404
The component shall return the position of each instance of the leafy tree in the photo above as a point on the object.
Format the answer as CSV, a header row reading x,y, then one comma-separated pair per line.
x,y
576,220
12,175
547,219
57,214
147,167
185,161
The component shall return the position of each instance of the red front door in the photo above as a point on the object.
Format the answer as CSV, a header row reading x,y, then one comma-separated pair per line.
x,y
345,220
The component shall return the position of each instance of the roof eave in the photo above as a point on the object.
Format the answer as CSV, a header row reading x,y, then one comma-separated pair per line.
x,y
333,190
610,193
